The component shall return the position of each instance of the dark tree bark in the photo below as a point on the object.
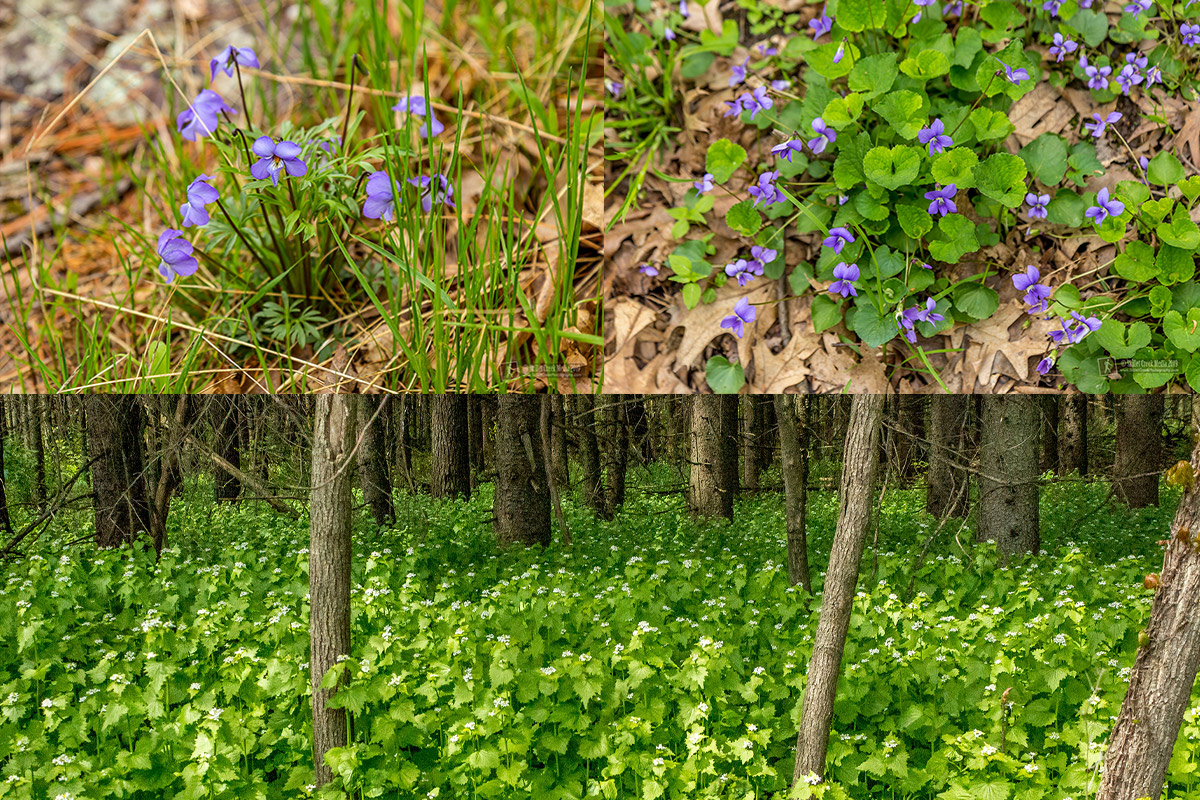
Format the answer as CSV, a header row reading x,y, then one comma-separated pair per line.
x,y
1050,434
36,412
329,567
114,432
1139,449
546,428
522,502
1160,686
751,425
589,455
226,420
489,405
1072,434
614,451
559,466
910,429
372,457
449,459
402,419
475,435
713,479
854,519
170,475
791,414
5,522
639,430
1008,474
948,457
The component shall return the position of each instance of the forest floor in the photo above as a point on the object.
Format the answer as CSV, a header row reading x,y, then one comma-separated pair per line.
x,y
654,657
90,167
656,343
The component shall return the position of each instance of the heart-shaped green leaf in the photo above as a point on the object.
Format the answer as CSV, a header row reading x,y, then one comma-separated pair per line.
x,y
1164,169
956,166
902,110
1136,263
894,167
976,300
744,218
724,377
723,159
1122,340
1180,232
1184,332
956,240
1002,177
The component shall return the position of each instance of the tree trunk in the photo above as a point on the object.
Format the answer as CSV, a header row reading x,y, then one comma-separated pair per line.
x,y
1072,434
329,568
475,436
226,413
487,418
1008,474
1164,671
854,518
614,451
546,426
908,434
947,474
589,455
114,432
1139,449
372,457
791,413
560,467
450,463
713,479
5,522
752,425
170,475
36,410
1050,434
402,419
522,501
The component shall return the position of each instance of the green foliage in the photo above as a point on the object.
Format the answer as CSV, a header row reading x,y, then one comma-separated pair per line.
x,y
567,672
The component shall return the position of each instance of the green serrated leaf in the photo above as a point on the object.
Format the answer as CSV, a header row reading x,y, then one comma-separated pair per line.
x,y
956,166
744,218
1001,176
724,377
1046,158
893,167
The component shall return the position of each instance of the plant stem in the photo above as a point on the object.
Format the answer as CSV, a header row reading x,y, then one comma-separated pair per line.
x,y
253,251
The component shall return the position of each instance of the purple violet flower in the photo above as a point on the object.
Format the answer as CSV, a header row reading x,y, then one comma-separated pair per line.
x,y
786,150
765,191
942,200
1014,76
739,73
838,238
1035,293
243,56
683,9
648,269
443,192
1045,365
1062,47
1138,6
761,257
741,270
1190,34
1097,76
825,135
841,51
199,194
614,87
743,314
846,275
416,105
668,34
952,9
935,137
200,119
1104,208
705,184
820,25
380,202
1052,6
781,85
1096,128
1128,77
176,255
276,156
1037,205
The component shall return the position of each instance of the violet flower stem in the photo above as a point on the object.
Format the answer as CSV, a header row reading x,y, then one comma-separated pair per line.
x,y
974,105
253,251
